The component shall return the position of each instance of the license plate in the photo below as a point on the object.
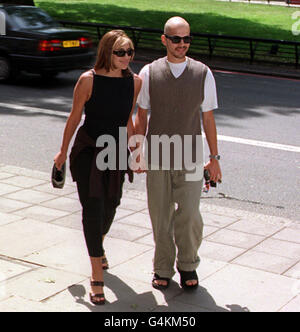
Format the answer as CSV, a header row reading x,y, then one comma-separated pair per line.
x,y
71,43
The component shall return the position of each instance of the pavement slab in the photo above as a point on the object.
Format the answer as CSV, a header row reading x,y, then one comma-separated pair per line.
x,y
237,288
265,261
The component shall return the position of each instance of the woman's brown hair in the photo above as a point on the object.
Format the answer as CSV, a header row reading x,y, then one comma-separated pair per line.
x,y
111,41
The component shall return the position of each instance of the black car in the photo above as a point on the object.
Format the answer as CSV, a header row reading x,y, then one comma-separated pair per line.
x,y
34,42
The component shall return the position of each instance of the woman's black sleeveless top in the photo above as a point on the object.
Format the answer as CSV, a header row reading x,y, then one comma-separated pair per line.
x,y
109,106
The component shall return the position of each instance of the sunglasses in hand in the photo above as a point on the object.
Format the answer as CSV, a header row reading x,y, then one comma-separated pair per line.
x,y
121,53
178,39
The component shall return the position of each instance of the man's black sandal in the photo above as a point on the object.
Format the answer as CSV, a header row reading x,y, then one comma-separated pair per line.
x,y
157,286
97,299
188,275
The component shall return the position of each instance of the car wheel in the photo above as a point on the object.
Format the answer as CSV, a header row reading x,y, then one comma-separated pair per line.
x,y
5,69
7,72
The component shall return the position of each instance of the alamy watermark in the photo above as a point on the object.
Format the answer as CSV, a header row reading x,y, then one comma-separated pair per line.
x,y
2,24
164,149
296,25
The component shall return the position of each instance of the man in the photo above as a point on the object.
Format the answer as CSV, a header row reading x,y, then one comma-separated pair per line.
x,y
176,88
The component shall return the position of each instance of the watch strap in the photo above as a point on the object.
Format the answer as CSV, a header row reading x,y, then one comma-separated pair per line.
x,y
215,156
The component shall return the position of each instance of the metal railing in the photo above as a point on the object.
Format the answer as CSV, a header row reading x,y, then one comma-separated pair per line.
x,y
267,1
211,45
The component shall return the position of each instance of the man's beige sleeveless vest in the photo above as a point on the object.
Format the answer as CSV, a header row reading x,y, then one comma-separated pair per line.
x,y
175,110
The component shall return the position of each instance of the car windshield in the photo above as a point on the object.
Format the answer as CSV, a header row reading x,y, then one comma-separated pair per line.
x,y
30,18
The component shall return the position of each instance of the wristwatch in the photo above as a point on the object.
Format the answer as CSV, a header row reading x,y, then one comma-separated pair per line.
x,y
215,156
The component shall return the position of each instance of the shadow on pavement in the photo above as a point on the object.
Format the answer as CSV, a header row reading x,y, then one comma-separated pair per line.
x,y
128,300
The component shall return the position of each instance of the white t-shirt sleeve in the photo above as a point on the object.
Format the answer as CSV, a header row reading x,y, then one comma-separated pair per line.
x,y
210,101
143,99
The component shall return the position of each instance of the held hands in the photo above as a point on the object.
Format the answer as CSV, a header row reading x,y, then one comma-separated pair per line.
x,y
138,163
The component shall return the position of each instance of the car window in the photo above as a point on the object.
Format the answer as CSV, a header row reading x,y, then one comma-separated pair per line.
x,y
30,18
2,23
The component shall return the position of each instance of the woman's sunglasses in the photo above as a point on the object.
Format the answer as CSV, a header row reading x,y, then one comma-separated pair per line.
x,y
177,39
121,53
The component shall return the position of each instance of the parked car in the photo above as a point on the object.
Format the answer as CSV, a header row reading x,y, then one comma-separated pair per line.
x,y
36,43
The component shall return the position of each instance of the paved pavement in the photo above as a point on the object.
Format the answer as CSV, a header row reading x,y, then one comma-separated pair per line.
x,y
249,262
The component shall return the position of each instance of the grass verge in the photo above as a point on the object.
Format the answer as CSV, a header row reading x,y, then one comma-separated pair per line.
x,y
204,16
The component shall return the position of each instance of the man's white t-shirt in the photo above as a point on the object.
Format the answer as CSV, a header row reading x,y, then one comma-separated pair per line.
x,y
210,101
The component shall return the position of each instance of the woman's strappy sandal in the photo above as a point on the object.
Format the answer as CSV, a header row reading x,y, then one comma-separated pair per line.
x,y
105,265
188,275
97,299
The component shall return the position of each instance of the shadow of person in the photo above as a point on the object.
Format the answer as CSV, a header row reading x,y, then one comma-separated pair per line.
x,y
125,298
209,303
79,292
199,300
237,308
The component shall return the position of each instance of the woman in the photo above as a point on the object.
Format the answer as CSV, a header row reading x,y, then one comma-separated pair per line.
x,y
108,93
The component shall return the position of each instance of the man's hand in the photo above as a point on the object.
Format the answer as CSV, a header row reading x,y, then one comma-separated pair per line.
x,y
214,170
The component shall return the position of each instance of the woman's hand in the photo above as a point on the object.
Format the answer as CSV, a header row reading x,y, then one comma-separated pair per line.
x,y
60,159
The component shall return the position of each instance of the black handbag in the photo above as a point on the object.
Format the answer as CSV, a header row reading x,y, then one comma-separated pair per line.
x,y
58,177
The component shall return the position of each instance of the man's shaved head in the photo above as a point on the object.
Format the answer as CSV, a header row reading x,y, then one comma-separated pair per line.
x,y
176,26
174,23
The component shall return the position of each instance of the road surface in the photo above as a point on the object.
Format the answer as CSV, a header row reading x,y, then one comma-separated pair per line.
x,y
258,125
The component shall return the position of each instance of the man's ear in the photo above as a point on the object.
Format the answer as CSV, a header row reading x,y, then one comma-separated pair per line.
x,y
163,40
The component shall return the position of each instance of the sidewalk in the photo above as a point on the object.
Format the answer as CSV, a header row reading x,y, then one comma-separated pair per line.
x,y
250,262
